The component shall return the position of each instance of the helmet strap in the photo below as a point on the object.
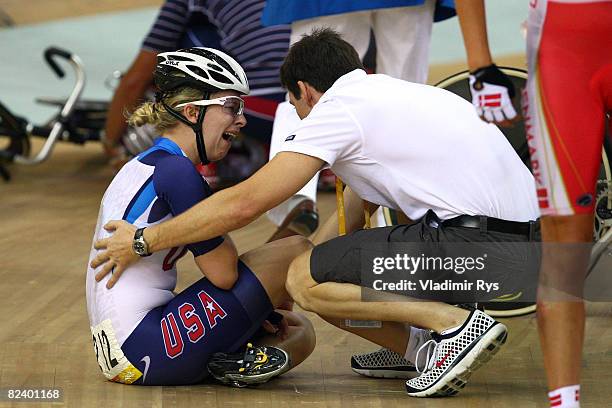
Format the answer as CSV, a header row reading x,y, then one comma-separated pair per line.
x,y
200,137
196,127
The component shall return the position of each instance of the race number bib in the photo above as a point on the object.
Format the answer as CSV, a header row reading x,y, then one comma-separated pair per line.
x,y
113,363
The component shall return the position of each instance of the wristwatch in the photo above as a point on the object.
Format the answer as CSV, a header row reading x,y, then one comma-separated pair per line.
x,y
139,245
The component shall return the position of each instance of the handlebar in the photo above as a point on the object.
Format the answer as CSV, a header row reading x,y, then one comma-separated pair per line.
x,y
58,127
52,52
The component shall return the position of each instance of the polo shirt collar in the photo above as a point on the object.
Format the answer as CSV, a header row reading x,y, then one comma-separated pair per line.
x,y
347,79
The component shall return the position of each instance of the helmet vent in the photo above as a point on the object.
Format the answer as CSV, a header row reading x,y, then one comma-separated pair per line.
x,y
198,71
220,78
179,58
215,67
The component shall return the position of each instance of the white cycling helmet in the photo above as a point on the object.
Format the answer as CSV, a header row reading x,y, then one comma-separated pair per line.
x,y
202,68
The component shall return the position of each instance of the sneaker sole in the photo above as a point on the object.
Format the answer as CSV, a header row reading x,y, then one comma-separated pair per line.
x,y
456,379
240,380
403,375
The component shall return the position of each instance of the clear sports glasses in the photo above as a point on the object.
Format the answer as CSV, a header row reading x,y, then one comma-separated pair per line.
x,y
231,104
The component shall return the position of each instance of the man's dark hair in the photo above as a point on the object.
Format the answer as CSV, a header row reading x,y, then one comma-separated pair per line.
x,y
319,58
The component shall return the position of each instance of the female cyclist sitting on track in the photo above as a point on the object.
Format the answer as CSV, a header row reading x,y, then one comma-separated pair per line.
x,y
142,332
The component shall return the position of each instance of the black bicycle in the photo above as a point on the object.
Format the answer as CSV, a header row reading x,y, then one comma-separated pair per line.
x,y
77,121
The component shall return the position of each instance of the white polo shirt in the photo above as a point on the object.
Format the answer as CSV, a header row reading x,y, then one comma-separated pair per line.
x,y
415,147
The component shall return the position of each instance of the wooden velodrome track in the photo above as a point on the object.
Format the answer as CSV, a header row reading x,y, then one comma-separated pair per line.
x,y
47,216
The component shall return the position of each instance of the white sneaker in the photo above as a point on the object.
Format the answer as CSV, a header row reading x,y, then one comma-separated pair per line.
x,y
456,356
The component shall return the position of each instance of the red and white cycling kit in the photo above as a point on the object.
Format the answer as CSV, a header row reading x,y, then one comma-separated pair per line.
x,y
569,47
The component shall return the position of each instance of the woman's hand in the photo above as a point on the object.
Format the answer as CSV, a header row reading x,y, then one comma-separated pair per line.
x,y
118,254
279,327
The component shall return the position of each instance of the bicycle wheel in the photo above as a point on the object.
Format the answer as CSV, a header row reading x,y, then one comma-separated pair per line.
x,y
510,304
13,136
603,203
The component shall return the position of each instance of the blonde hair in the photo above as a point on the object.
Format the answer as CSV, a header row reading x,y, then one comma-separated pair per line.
x,y
154,113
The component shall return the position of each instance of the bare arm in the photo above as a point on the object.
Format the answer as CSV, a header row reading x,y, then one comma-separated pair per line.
x,y
127,95
472,19
238,206
220,213
220,265
487,81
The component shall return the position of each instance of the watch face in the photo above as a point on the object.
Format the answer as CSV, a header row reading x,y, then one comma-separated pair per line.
x,y
139,248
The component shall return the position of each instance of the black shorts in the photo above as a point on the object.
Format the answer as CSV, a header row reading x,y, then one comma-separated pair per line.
x,y
341,259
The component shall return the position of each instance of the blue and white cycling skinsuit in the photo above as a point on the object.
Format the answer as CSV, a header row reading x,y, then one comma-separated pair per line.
x,y
142,332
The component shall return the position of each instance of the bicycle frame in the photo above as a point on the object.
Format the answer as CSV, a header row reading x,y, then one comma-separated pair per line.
x,y
67,109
